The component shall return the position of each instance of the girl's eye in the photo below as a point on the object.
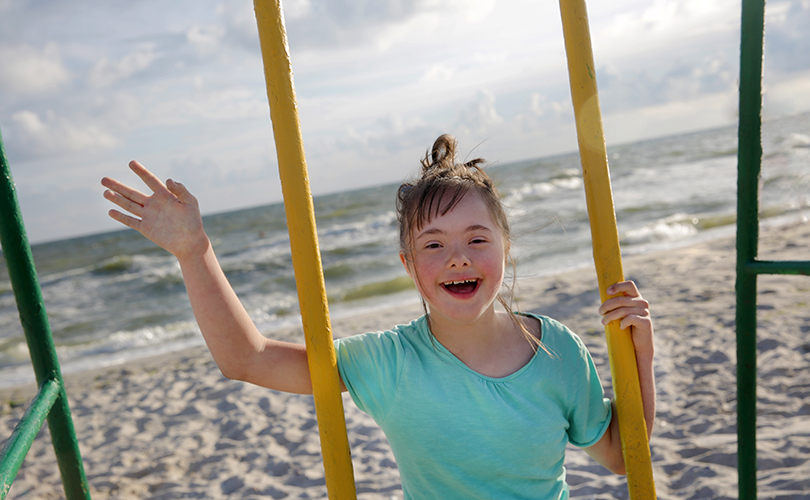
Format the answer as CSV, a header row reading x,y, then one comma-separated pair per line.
x,y
433,245
478,240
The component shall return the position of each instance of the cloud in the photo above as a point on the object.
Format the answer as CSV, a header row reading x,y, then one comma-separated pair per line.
x,y
704,111
663,21
787,95
479,114
37,136
438,73
295,9
539,106
389,133
690,50
239,22
179,85
218,105
714,72
333,24
26,70
105,73
206,39
786,42
115,110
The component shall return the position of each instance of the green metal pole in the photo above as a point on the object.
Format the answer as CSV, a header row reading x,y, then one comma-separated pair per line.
x,y
34,319
779,267
749,156
18,444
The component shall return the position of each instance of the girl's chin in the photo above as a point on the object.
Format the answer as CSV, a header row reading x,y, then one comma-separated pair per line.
x,y
460,315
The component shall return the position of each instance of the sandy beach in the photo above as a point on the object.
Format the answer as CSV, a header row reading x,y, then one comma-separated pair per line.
x,y
173,427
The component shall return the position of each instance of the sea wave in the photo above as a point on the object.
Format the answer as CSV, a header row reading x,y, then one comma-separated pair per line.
x,y
373,289
542,189
676,226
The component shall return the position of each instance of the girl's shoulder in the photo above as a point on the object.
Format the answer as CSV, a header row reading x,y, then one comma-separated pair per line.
x,y
397,337
556,337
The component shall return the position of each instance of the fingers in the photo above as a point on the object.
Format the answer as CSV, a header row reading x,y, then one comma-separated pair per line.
x,y
180,191
122,189
133,200
623,302
629,288
628,306
148,178
125,219
124,202
627,316
145,208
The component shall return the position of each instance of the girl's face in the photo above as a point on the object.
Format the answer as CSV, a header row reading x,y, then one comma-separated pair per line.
x,y
458,260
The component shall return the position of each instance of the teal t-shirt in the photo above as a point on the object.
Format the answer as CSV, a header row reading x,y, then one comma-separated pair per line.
x,y
458,434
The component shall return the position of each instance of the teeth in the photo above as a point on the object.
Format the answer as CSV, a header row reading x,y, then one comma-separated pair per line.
x,y
460,282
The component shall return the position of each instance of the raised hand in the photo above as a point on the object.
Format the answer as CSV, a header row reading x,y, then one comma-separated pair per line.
x,y
170,216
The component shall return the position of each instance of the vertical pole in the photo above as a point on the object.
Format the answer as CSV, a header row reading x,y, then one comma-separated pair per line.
x,y
305,254
606,251
23,276
749,156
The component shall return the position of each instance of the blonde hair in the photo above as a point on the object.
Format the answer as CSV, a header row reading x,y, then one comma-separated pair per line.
x,y
442,185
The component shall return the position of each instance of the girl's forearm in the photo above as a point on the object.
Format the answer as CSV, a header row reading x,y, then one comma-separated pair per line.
x,y
646,380
226,326
239,349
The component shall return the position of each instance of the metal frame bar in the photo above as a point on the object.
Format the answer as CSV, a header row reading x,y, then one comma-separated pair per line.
x,y
749,163
322,360
27,292
606,250
26,430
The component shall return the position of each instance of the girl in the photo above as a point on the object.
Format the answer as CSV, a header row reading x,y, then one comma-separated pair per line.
x,y
476,401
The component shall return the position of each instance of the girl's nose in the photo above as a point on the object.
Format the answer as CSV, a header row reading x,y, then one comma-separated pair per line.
x,y
458,258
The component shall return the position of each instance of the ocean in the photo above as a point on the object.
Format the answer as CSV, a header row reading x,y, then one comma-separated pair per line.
x,y
115,296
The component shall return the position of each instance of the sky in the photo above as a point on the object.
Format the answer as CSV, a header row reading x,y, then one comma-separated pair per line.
x,y
87,85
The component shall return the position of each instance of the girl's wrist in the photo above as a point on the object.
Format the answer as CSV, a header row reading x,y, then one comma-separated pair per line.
x,y
645,355
195,251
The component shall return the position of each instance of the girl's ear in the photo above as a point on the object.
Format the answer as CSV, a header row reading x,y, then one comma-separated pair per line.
x,y
406,263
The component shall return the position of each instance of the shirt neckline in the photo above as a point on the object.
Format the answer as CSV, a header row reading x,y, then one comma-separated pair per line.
x,y
455,360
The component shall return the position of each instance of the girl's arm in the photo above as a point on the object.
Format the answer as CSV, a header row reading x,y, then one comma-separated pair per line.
x,y
170,217
634,313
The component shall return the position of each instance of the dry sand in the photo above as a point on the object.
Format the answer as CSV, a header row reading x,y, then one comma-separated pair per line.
x,y
173,427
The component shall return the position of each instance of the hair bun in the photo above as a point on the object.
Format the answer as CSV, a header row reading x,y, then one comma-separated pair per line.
x,y
440,161
442,156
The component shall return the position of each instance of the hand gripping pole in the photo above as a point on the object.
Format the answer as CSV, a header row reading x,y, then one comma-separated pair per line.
x,y
305,254
606,251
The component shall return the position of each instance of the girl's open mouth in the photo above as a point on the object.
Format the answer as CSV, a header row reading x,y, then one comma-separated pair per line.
x,y
465,286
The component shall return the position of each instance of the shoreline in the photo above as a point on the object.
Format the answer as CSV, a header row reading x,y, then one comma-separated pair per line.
x,y
170,426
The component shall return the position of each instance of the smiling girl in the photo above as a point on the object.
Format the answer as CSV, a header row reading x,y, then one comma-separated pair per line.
x,y
477,401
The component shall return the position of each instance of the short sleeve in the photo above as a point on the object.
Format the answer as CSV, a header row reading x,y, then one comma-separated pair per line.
x,y
591,412
370,365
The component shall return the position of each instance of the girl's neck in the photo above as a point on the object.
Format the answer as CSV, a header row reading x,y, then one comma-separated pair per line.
x,y
468,334
493,345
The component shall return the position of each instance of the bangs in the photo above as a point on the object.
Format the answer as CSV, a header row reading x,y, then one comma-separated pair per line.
x,y
436,200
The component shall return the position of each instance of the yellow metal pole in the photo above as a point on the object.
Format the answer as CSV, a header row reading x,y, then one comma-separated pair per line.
x,y
305,254
606,251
